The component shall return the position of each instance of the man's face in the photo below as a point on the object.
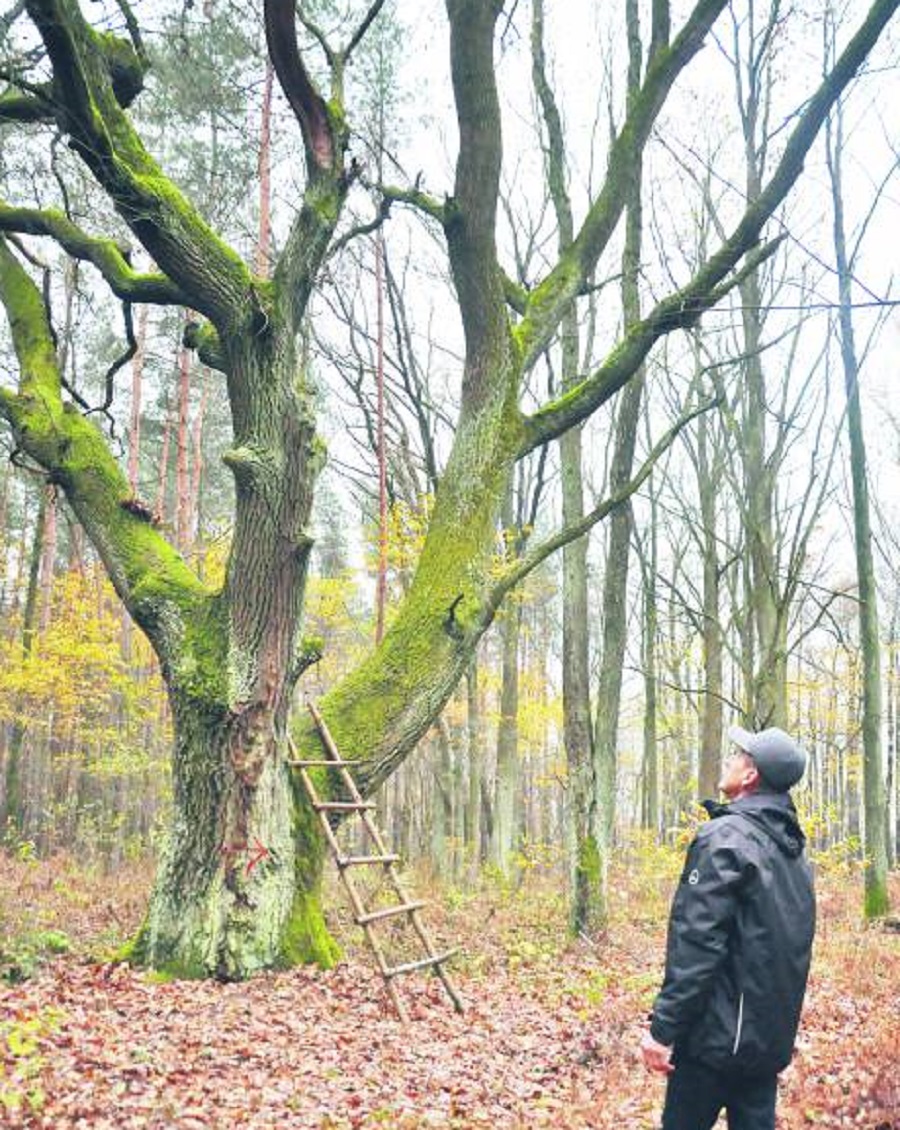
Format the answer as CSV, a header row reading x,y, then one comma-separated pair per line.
x,y
739,774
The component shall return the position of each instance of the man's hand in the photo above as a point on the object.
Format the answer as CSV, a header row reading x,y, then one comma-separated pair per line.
x,y
657,1057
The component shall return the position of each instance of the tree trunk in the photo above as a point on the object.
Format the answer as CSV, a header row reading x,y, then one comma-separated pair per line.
x,y
711,714
442,797
476,841
14,808
237,888
875,797
137,381
614,601
767,692
585,911
182,450
504,840
651,813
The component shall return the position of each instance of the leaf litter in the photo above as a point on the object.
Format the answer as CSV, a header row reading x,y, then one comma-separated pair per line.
x,y
549,1037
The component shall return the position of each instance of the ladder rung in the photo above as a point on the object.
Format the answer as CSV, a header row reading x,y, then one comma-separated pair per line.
x,y
423,963
343,805
390,912
360,860
319,763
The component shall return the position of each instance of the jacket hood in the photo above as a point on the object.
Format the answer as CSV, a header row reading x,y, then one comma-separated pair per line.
x,y
773,813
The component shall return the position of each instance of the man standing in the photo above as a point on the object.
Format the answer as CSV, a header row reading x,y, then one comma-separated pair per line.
x,y
738,951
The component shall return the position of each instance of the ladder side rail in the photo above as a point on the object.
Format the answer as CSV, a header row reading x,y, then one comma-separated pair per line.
x,y
334,753
429,947
415,918
355,901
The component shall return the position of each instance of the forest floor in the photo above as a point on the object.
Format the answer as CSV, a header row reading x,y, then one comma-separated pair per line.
x,y
549,1037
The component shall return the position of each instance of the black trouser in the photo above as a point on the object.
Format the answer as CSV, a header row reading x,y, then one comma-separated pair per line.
x,y
696,1094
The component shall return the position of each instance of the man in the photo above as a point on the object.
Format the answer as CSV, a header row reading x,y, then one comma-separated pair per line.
x,y
738,951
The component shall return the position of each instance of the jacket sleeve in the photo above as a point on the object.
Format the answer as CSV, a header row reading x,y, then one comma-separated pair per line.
x,y
700,923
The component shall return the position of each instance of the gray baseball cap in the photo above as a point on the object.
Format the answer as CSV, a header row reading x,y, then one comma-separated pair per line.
x,y
780,761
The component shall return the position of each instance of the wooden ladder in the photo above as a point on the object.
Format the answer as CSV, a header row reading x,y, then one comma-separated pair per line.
x,y
379,858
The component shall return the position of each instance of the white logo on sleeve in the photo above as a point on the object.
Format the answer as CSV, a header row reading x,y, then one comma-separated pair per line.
x,y
694,877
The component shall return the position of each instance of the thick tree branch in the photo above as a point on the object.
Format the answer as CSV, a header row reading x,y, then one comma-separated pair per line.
x,y
110,259
150,576
471,216
324,136
679,311
88,91
416,198
310,109
22,108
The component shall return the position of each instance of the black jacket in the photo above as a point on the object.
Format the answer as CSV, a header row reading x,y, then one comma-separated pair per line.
x,y
740,936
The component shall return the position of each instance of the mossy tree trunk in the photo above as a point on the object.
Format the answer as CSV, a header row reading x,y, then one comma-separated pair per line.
x,y
237,887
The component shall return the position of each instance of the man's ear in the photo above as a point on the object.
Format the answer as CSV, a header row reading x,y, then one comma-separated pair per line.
x,y
752,778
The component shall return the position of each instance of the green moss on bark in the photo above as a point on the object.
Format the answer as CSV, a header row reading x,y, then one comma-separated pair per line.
x,y
305,938
587,910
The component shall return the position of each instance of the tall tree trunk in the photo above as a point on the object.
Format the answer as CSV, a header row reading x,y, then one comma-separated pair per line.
x,y
442,796
14,806
875,797
614,601
196,475
585,911
711,711
651,811
380,445
476,841
766,703
237,888
264,171
160,508
48,557
503,842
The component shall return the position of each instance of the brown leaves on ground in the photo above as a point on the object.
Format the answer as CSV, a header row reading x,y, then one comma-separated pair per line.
x,y
549,1036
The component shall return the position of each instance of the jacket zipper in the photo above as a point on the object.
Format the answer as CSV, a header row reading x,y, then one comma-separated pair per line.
x,y
740,1025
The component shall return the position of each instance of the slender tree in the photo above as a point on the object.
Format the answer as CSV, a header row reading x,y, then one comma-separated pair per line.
x,y
876,797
